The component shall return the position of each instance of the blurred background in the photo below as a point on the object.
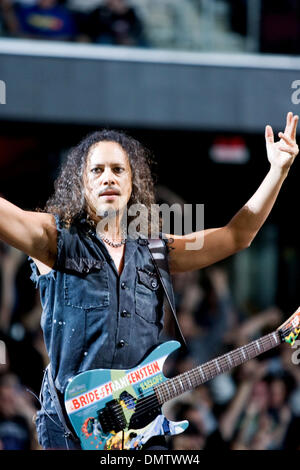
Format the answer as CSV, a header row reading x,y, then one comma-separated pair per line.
x,y
195,81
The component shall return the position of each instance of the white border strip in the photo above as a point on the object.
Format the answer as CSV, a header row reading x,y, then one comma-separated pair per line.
x,y
58,49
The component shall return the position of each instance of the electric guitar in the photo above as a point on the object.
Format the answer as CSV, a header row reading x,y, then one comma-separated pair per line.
x,y
121,409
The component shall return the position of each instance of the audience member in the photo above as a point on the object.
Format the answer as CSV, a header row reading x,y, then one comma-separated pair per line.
x,y
116,23
45,19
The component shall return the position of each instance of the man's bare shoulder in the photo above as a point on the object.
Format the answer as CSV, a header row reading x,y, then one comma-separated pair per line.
x,y
42,217
46,241
32,232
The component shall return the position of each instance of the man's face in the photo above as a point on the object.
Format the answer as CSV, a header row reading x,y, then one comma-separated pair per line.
x,y
107,179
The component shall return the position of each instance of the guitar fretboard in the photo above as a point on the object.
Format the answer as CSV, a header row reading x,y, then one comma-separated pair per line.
x,y
189,380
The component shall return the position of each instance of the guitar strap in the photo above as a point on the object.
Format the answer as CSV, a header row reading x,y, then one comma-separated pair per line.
x,y
54,396
158,254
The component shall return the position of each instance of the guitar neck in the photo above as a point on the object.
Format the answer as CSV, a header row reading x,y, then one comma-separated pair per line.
x,y
189,380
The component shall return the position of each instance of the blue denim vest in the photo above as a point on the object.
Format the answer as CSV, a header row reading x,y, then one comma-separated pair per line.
x,y
92,317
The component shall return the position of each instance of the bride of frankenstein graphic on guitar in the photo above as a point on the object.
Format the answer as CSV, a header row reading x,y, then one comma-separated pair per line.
x,y
121,409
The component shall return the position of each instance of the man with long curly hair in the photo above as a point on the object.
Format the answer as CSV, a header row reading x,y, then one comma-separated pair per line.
x,y
101,308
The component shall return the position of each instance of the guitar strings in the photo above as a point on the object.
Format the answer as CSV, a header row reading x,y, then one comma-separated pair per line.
x,y
152,398
211,367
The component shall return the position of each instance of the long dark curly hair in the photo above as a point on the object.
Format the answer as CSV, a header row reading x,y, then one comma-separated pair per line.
x,y
68,200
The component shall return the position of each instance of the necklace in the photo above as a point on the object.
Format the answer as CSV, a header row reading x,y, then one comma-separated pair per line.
x,y
113,244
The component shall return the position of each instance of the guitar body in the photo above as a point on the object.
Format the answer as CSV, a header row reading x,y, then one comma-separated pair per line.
x,y
121,409
118,409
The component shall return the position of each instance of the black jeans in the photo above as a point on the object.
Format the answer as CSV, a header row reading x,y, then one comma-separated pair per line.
x,y
51,433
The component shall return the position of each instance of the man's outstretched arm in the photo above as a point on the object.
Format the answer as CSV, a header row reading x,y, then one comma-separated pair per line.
x,y
218,243
34,233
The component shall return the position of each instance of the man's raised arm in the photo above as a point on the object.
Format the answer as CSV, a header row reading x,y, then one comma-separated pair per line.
x,y
218,243
34,233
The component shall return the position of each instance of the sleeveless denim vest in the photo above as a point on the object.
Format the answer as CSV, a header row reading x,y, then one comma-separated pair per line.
x,y
92,316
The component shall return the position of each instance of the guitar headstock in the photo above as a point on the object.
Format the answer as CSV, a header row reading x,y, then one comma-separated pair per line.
x,y
290,329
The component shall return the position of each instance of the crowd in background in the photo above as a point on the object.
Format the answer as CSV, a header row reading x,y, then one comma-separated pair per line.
x,y
221,25
105,22
254,406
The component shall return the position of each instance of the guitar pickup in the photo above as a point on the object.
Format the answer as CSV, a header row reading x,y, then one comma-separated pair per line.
x,y
112,417
144,413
